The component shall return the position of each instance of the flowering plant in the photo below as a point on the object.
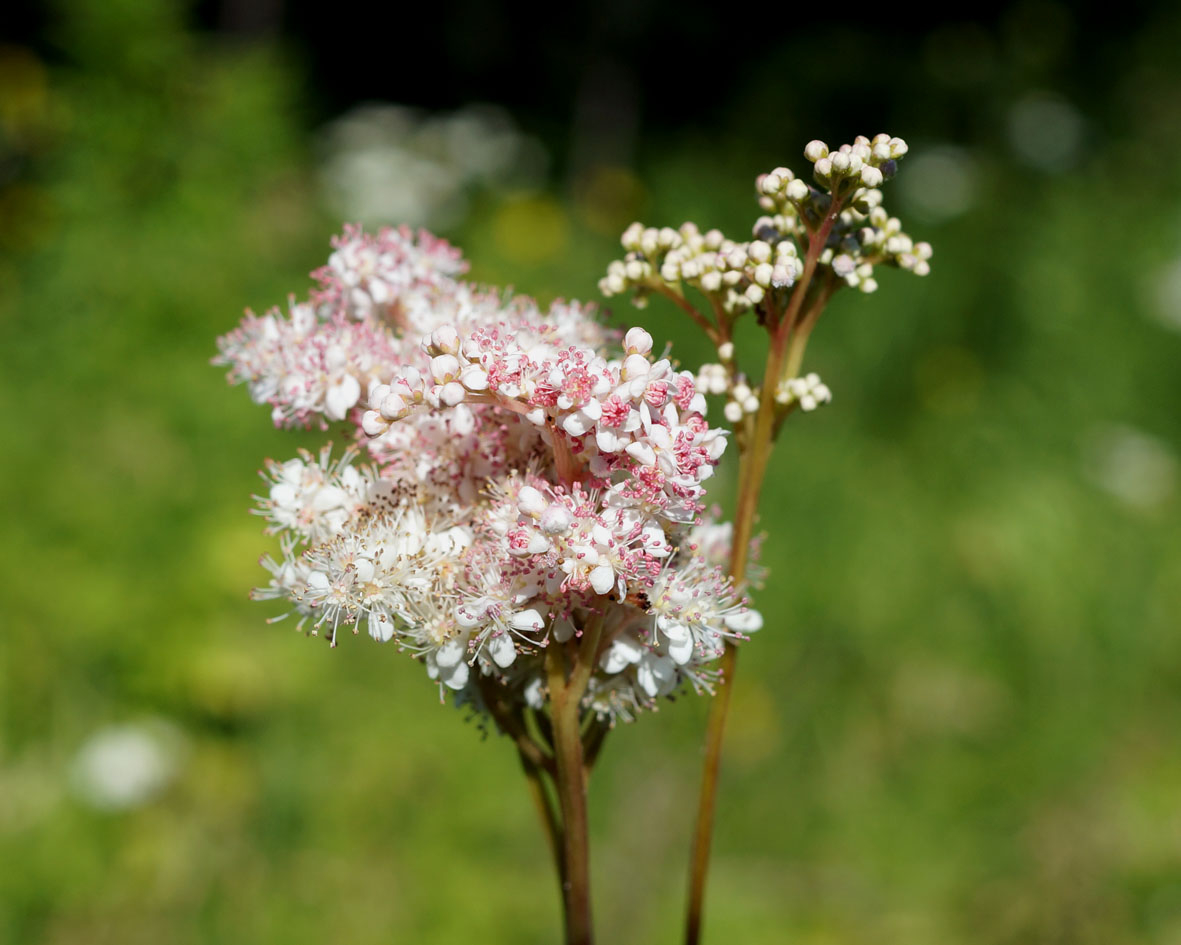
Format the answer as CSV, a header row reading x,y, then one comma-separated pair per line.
x,y
528,520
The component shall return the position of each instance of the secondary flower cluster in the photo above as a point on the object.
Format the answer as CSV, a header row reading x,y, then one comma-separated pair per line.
x,y
838,222
734,275
523,480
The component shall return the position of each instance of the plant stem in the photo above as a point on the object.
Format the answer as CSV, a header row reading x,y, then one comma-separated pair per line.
x,y
754,455
545,809
565,694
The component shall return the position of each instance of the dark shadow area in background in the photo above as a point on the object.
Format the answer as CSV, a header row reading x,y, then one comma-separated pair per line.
x,y
718,68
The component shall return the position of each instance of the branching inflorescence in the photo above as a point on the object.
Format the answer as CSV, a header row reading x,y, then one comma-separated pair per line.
x,y
523,481
522,504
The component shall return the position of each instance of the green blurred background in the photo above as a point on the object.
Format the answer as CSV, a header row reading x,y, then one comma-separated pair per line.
x,y
961,722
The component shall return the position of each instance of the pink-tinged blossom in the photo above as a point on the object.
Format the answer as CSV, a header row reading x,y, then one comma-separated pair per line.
x,y
391,275
309,369
315,497
653,427
525,478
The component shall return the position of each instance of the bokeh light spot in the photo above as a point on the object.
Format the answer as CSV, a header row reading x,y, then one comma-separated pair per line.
x,y
531,229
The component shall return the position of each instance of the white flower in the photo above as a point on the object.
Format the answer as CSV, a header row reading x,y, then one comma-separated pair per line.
x,y
124,766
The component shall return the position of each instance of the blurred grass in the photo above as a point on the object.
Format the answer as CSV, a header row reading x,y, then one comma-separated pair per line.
x,y
959,725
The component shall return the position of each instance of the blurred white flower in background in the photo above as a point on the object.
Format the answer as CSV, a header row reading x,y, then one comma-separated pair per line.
x,y
390,164
124,766
944,186
1046,131
1165,296
1138,469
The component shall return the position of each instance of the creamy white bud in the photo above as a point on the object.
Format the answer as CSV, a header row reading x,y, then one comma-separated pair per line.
x,y
393,407
637,341
444,368
531,502
445,340
634,365
556,519
373,423
474,378
815,150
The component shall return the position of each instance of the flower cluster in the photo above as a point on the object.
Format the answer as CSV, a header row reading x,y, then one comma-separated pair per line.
x,y
733,275
836,224
524,481
864,234
737,275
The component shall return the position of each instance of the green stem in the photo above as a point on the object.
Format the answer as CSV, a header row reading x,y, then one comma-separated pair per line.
x,y
799,337
545,810
566,692
755,453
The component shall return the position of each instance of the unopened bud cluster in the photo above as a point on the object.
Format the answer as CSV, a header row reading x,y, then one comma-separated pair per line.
x,y
743,400
861,241
807,391
864,163
735,275
759,274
